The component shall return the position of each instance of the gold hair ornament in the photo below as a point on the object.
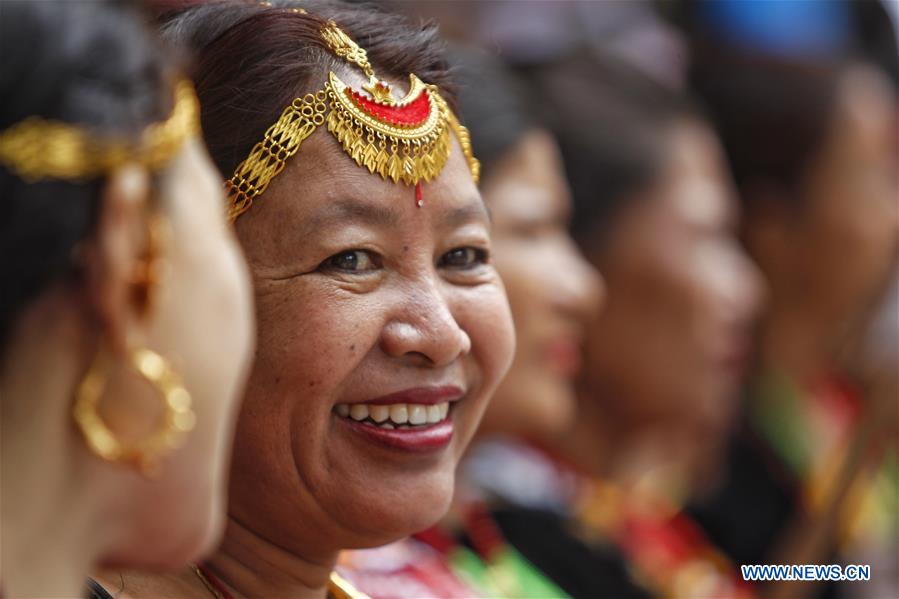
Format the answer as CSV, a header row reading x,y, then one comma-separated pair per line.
x,y
38,148
405,140
178,418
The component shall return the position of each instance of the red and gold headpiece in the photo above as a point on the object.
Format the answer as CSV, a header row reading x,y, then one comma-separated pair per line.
x,y
406,140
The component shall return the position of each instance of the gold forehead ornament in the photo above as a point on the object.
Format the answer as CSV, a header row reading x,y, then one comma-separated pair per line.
x,y
405,140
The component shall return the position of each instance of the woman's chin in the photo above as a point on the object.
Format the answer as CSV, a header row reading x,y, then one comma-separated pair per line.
x,y
388,521
202,527
209,538
189,545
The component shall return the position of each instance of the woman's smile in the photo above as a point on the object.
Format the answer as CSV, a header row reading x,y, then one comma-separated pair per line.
x,y
416,419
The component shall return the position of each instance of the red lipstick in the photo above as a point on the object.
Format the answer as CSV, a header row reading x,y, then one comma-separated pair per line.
x,y
564,357
418,439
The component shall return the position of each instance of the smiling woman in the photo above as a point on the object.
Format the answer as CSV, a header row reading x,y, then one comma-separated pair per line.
x,y
383,327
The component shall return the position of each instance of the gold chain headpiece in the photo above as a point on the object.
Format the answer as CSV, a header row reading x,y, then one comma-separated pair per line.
x,y
38,148
406,140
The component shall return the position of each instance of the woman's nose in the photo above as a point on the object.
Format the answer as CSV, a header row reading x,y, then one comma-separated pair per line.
x,y
424,329
746,290
578,288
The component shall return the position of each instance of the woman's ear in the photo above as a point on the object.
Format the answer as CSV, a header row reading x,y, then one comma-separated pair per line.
x,y
118,253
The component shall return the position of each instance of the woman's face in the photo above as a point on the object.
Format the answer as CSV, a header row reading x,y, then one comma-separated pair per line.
x,y
383,331
553,291
672,340
843,243
202,322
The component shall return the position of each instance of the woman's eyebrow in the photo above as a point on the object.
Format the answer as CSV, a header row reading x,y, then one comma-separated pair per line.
x,y
350,211
474,210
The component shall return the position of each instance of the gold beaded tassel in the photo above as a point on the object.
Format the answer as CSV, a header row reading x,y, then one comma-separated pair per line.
x,y
268,157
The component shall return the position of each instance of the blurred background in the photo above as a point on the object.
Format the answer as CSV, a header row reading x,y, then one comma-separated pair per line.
x,y
696,218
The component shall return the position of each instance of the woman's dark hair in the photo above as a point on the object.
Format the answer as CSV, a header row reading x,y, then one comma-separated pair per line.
x,y
772,113
492,103
611,122
88,63
252,60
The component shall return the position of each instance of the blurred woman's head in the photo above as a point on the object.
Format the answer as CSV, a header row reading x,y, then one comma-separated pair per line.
x,y
813,149
383,326
553,292
109,260
655,213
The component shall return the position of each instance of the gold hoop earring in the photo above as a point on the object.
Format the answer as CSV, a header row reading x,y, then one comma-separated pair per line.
x,y
144,455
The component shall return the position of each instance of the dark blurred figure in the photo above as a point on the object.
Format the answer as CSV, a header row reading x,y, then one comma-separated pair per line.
x,y
597,506
536,32
553,292
811,136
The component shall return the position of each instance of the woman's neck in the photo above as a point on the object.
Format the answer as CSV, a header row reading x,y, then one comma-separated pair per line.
x,y
794,341
628,453
53,531
252,566
589,445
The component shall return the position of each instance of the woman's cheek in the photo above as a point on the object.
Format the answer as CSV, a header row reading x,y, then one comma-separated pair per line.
x,y
306,319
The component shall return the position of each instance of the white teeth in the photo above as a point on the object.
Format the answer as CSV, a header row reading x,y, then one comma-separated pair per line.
x,y
396,415
399,413
359,411
379,413
418,414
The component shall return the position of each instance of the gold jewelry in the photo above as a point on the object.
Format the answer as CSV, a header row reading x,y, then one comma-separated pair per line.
x,y
404,140
178,420
206,582
340,588
38,148
152,268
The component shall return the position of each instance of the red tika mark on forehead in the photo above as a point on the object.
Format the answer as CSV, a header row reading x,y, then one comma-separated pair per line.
x,y
412,114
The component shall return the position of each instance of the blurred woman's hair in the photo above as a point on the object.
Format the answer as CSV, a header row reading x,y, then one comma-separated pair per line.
x,y
773,104
107,75
772,113
252,60
493,103
611,122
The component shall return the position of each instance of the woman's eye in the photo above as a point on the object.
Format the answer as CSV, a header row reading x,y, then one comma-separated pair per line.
x,y
464,258
351,261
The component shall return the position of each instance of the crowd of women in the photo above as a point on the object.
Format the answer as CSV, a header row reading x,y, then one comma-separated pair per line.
x,y
552,300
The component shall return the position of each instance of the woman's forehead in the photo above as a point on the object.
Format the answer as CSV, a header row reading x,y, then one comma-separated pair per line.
x,y
321,186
